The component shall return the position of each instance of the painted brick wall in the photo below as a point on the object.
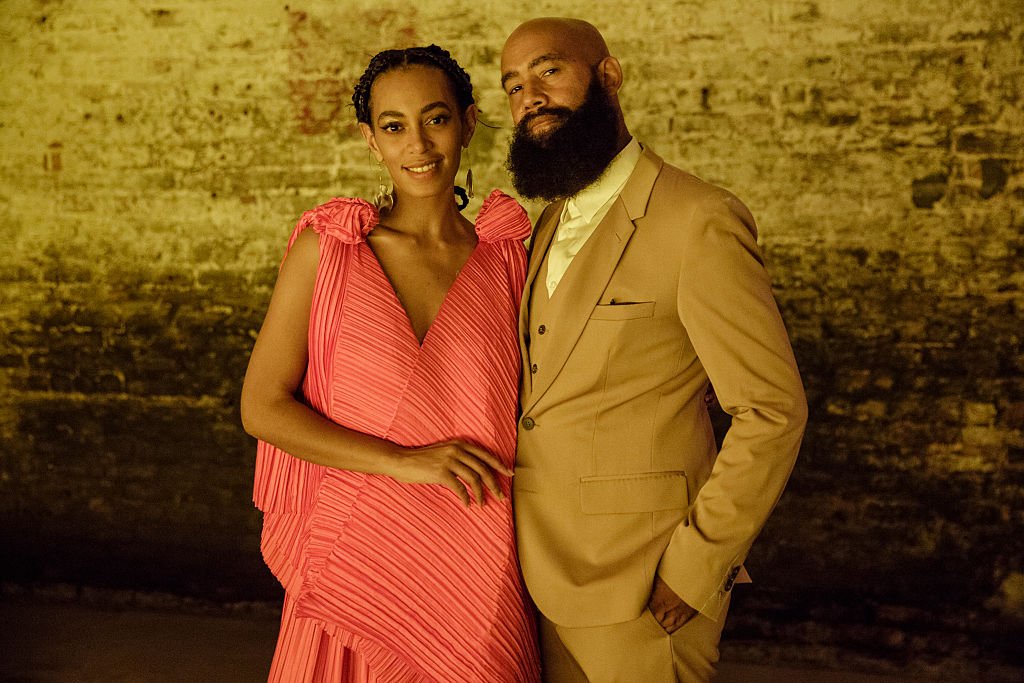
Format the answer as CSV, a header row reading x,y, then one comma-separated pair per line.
x,y
156,154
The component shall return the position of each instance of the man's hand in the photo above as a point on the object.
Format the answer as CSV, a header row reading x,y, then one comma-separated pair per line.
x,y
667,607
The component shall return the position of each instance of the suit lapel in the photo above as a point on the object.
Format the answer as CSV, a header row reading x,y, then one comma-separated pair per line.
x,y
542,236
581,287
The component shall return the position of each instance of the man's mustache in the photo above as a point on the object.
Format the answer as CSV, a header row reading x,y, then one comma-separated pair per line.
x,y
561,112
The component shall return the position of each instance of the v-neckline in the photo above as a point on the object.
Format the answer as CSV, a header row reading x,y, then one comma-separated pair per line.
x,y
420,343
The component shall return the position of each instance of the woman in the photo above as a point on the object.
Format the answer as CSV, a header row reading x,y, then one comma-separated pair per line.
x,y
385,484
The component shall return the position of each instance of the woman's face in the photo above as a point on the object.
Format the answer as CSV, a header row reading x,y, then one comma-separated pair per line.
x,y
417,130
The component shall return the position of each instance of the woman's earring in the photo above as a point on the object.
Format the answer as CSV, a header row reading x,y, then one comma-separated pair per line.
x,y
463,195
384,198
461,198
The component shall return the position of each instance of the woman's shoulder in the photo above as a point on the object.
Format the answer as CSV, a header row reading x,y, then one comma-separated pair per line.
x,y
345,218
502,218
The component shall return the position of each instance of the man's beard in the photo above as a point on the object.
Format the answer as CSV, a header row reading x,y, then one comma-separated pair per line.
x,y
569,158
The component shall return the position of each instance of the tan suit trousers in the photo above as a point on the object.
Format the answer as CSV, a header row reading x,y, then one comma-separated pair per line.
x,y
638,651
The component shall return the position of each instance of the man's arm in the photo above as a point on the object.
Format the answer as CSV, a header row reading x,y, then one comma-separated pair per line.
x,y
724,300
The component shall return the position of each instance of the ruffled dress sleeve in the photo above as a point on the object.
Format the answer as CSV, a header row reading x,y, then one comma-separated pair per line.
x,y
504,223
284,483
502,218
346,219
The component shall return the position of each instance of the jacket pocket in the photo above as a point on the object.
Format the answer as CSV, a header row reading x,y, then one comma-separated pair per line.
x,y
631,493
644,309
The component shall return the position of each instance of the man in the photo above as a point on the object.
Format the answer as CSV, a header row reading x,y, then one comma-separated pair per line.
x,y
644,285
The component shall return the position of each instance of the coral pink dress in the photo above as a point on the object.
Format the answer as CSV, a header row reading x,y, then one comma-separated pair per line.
x,y
387,581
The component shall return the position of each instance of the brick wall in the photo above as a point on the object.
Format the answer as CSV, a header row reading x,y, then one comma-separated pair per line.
x,y
156,154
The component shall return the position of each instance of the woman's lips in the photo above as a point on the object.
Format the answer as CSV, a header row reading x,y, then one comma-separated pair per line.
x,y
424,168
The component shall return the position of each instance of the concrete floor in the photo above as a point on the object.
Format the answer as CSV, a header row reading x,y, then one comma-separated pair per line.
x,y
45,642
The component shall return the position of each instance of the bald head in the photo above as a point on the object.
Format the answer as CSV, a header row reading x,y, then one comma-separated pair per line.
x,y
572,35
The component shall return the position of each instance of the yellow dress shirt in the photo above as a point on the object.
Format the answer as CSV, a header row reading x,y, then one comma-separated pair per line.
x,y
583,213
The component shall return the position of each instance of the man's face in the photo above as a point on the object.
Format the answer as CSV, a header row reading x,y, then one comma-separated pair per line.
x,y
544,78
568,155
567,125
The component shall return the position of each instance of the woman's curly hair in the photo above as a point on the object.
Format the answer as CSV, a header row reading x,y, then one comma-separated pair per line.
x,y
431,55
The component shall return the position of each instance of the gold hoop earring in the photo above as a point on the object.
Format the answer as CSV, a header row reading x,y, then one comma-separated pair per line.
x,y
384,200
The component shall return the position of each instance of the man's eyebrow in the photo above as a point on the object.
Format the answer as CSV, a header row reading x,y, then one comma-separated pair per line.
x,y
547,57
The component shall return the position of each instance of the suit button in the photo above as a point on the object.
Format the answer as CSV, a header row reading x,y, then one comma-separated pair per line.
x,y
528,423
542,329
731,579
533,368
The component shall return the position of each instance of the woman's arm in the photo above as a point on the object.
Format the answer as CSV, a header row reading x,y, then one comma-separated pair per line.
x,y
271,412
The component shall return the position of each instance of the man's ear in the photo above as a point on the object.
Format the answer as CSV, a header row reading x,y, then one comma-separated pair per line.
x,y
469,119
610,72
371,141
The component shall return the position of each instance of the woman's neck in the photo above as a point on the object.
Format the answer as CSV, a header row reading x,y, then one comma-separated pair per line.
x,y
430,218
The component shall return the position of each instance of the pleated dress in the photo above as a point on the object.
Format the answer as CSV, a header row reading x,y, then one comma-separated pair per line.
x,y
387,581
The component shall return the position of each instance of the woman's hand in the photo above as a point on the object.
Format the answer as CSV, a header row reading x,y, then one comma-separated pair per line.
x,y
456,465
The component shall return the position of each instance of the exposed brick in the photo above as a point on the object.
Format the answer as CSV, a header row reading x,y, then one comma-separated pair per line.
x,y
155,159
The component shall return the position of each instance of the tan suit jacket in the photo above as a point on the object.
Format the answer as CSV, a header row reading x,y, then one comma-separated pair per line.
x,y
617,474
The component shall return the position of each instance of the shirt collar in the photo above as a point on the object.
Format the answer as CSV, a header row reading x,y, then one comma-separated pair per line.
x,y
590,200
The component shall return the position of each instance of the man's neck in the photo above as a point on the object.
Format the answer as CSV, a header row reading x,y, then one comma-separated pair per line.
x,y
623,139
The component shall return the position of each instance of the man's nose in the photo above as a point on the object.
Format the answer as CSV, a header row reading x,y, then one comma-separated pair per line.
x,y
534,98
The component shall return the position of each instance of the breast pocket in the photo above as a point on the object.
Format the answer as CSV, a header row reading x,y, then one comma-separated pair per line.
x,y
643,309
